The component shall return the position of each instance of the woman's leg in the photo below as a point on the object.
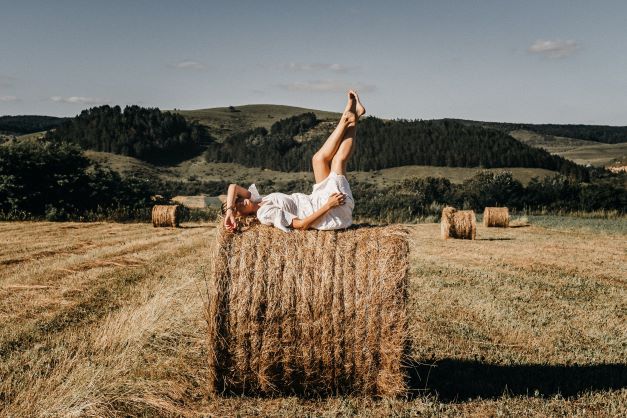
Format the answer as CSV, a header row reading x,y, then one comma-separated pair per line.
x,y
338,163
344,151
321,161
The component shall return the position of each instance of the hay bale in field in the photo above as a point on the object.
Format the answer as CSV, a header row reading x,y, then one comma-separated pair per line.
x,y
458,223
496,217
166,215
308,312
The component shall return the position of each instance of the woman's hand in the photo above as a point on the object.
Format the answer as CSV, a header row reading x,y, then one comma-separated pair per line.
x,y
229,221
336,199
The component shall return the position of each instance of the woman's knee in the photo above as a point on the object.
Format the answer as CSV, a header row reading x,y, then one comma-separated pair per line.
x,y
318,158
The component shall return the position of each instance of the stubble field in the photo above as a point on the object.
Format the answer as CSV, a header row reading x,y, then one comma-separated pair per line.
x,y
105,319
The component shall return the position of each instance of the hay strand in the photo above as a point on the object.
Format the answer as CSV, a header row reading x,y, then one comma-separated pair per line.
x,y
460,224
166,215
496,217
309,312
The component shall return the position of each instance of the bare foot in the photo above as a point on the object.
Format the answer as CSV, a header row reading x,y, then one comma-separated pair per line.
x,y
360,110
352,102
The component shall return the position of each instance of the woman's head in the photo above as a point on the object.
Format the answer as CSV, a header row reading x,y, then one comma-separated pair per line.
x,y
243,207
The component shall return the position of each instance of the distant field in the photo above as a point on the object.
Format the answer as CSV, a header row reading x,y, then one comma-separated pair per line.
x,y
104,319
202,170
578,150
549,142
598,155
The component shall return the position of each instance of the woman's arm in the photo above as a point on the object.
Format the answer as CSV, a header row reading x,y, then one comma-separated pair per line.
x,y
232,195
234,192
336,199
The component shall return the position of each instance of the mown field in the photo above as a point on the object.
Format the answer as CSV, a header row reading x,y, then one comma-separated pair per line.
x,y
105,319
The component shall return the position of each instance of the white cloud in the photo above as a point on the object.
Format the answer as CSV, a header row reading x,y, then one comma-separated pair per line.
x,y
190,65
326,86
338,68
78,100
554,48
8,99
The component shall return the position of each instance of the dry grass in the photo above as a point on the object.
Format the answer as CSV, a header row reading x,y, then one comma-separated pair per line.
x,y
165,215
520,322
460,224
310,312
496,217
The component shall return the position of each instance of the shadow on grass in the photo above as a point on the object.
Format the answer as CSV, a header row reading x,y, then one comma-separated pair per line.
x,y
458,380
494,239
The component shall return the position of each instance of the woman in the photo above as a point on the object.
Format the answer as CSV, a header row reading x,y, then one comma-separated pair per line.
x,y
329,206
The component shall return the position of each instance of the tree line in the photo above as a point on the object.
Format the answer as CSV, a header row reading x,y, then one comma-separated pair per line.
x,y
598,133
55,181
26,124
144,133
425,197
383,144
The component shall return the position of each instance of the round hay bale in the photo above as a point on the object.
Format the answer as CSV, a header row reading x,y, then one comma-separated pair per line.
x,y
166,215
460,224
309,312
496,217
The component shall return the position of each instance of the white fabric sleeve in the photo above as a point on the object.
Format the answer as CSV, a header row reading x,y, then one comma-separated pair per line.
x,y
273,215
254,193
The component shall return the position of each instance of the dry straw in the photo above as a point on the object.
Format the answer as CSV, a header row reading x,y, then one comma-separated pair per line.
x,y
309,312
496,217
458,223
166,215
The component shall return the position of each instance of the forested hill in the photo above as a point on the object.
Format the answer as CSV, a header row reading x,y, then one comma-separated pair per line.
x,y
144,133
383,144
289,143
26,124
599,133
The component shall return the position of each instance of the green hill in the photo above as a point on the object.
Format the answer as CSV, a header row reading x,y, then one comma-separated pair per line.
x,y
225,121
27,124
437,143
578,150
197,169
597,133
386,144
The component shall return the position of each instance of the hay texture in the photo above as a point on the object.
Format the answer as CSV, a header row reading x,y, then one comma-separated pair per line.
x,y
460,224
496,217
309,312
166,215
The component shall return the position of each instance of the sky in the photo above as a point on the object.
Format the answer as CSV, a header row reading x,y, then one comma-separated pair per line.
x,y
509,61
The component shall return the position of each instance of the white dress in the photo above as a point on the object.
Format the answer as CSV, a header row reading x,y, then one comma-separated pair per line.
x,y
280,209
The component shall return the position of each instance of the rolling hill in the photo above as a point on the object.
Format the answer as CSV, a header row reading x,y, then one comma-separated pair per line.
x,y
596,145
27,124
200,170
578,150
224,121
598,133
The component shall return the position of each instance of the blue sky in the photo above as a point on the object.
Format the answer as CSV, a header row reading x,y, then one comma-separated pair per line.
x,y
524,61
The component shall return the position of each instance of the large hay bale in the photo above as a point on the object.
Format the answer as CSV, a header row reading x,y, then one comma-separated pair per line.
x,y
458,223
309,312
496,217
166,215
